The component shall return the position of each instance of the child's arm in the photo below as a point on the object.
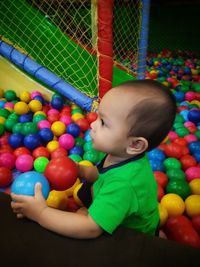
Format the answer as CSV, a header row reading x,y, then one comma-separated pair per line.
x,y
69,224
89,173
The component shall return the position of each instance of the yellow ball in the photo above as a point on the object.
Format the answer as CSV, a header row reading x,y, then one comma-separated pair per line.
x,y
57,200
74,106
86,163
25,96
163,214
35,105
58,128
52,145
1,92
9,109
77,116
195,186
173,203
40,113
21,108
192,205
2,120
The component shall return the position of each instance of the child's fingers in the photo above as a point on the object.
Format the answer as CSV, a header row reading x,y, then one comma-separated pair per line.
x,y
38,190
18,198
20,216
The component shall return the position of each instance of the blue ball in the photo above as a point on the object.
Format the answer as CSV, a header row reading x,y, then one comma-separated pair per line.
x,y
196,155
16,140
194,115
32,141
2,103
73,129
179,96
76,150
157,165
24,184
184,114
26,117
87,136
46,134
57,103
194,147
39,98
156,154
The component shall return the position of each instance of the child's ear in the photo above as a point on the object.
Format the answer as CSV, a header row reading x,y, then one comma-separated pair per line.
x,y
136,145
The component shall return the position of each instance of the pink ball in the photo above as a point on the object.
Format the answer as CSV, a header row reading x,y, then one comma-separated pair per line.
x,y
7,160
44,124
190,138
172,135
66,141
189,96
35,93
9,105
192,173
24,163
188,124
66,120
52,111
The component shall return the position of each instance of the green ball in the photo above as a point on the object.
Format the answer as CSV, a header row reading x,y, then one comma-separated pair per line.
x,y
196,87
91,155
18,128
13,116
10,95
179,118
175,174
182,131
4,112
77,110
2,129
38,118
87,146
75,157
172,163
180,188
79,141
29,128
178,125
40,164
9,124
197,134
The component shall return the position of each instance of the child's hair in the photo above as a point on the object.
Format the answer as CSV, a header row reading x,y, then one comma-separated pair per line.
x,y
153,116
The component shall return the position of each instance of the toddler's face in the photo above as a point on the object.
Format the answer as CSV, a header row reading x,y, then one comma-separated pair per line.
x,y
110,131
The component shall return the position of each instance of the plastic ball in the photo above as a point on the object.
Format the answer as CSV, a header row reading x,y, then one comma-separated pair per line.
x,y
44,124
58,128
35,105
4,113
21,151
173,203
161,178
16,140
91,155
9,124
75,157
187,161
172,163
66,119
194,147
24,163
195,186
163,214
21,108
61,173
77,116
10,95
91,117
175,174
18,128
79,141
53,118
57,103
192,205
5,177
192,173
40,164
39,117
194,115
46,134
173,150
24,184
29,128
32,141
155,154
83,124
58,152
86,163
76,150
66,141
52,145
53,111
7,160
57,200
73,129
156,165
25,96
39,98
25,117
40,151
179,187
35,93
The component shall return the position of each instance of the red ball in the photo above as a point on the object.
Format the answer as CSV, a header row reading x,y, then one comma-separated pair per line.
x,y
180,141
61,173
92,116
83,124
6,149
187,161
196,223
161,178
21,151
53,117
5,177
173,150
160,192
58,152
40,151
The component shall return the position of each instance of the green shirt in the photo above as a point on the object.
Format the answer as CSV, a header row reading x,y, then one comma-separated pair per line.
x,y
126,194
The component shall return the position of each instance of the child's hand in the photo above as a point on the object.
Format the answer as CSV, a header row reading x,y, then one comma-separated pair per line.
x,y
29,206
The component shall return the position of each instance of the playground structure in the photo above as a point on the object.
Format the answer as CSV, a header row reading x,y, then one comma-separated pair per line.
x,y
82,43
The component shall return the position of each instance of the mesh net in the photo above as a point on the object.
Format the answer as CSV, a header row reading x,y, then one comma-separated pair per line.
x,y
62,36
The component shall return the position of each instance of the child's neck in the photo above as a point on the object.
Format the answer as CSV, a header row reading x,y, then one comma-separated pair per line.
x,y
111,160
